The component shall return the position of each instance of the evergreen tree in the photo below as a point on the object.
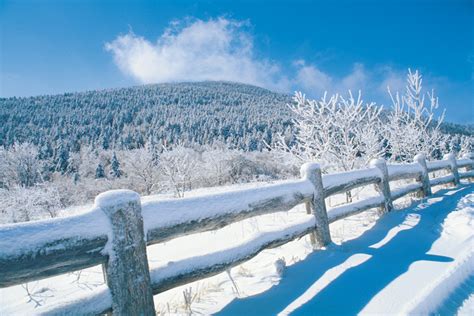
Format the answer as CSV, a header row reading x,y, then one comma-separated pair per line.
x,y
45,151
76,177
106,142
99,171
46,170
116,172
62,159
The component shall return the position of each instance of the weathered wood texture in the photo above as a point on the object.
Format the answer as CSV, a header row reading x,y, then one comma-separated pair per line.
x,y
192,269
35,250
437,165
127,271
180,273
465,162
383,187
79,242
468,163
466,175
31,267
404,171
442,180
61,255
453,167
312,173
412,187
423,178
346,210
345,181
269,199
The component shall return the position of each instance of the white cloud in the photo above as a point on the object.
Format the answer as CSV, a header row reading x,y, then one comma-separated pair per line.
x,y
315,81
310,78
393,79
222,49
357,79
217,49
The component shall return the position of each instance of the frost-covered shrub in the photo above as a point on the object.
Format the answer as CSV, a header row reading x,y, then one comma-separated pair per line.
x,y
413,126
21,204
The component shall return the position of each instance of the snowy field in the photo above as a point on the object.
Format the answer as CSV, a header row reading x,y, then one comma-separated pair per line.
x,y
410,262
415,260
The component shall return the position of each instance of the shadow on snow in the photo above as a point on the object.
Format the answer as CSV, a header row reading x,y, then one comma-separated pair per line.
x,y
350,292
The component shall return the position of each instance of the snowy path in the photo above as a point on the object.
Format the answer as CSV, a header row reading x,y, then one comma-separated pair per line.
x,y
418,261
458,299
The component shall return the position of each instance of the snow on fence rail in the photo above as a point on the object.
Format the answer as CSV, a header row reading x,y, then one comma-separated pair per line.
x,y
117,230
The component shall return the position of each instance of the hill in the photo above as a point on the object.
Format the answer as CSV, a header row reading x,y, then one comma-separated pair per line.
x,y
240,115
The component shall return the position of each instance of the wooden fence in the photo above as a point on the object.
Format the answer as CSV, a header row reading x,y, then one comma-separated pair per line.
x,y
116,232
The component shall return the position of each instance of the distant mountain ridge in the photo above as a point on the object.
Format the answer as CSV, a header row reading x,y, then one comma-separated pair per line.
x,y
241,115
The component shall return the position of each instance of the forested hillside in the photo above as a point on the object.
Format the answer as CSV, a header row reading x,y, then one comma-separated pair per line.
x,y
242,116
237,114
63,150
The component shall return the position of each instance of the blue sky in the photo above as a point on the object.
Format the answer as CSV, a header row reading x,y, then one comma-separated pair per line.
x,y
63,46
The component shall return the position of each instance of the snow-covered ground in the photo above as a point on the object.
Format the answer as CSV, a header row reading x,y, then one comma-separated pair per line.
x,y
415,260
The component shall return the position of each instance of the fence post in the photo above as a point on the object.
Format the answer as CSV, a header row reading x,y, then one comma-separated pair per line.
x,y
383,186
424,178
317,206
469,167
453,166
127,272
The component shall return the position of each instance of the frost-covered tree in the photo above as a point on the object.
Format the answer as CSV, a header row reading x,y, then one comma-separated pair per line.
x,y
178,168
342,133
215,164
413,126
87,159
142,170
20,165
466,144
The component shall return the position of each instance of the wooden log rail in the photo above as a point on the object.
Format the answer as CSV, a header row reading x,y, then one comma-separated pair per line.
x,y
116,231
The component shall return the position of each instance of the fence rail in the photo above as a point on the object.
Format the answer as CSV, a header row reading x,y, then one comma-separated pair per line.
x,y
117,230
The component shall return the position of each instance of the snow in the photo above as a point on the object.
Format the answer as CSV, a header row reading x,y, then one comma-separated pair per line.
x,y
232,252
449,286
467,174
464,162
407,263
398,193
376,253
115,197
467,307
166,213
88,303
309,167
441,180
436,165
347,209
21,238
432,298
398,170
337,179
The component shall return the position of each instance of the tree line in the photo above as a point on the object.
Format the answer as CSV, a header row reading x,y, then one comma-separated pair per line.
x,y
59,151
